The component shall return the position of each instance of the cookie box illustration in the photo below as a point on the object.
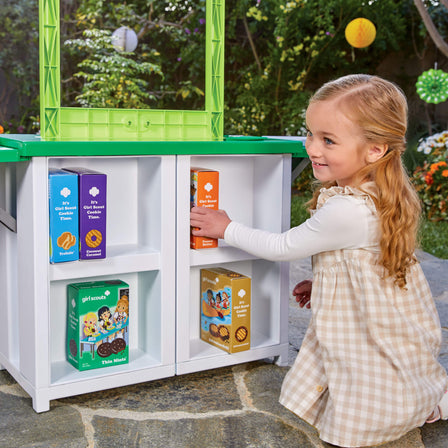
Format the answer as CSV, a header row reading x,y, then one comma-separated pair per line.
x,y
225,309
92,213
63,218
97,324
204,192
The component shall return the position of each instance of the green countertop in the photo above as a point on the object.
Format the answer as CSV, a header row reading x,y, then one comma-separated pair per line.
x,y
17,147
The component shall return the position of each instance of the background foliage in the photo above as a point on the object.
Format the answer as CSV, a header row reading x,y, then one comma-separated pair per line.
x,y
277,52
166,70
19,67
295,50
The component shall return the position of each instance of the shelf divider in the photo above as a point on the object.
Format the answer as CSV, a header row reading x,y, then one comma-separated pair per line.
x,y
119,259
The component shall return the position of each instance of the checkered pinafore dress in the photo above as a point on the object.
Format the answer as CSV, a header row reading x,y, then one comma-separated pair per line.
x,y
367,370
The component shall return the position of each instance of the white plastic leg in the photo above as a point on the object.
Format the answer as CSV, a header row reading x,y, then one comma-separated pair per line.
x,y
41,403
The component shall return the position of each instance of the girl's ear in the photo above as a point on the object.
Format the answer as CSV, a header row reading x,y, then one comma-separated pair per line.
x,y
375,152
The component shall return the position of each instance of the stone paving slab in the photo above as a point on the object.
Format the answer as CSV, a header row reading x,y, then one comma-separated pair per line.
x,y
195,393
255,420
246,430
21,427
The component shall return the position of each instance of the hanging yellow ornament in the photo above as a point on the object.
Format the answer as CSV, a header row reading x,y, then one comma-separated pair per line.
x,y
360,33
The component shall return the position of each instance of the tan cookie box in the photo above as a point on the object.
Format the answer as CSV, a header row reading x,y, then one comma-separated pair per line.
x,y
225,309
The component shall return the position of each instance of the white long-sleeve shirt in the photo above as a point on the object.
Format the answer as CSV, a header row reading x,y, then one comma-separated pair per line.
x,y
343,222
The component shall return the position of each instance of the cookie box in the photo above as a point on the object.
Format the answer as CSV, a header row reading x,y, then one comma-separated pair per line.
x,y
63,218
92,213
97,324
225,309
204,192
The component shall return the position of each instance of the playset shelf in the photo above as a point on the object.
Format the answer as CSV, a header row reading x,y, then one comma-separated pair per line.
x,y
147,247
146,155
140,251
254,190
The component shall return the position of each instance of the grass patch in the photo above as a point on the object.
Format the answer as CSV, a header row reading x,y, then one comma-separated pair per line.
x,y
433,235
299,212
434,238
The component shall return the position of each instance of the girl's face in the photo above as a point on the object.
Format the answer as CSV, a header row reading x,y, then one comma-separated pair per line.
x,y
334,143
90,322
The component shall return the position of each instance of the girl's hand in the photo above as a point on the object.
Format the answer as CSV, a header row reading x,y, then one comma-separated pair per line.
x,y
302,292
210,223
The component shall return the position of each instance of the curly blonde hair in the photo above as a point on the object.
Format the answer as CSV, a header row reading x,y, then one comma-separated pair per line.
x,y
380,109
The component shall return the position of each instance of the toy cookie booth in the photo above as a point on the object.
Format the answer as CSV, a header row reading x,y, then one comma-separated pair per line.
x,y
148,248
146,156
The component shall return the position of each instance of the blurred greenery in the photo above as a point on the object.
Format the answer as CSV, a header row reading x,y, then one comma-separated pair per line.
x,y
299,212
434,238
277,53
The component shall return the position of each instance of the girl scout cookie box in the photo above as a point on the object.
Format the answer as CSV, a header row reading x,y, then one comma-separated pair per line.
x,y
204,192
97,324
225,309
63,207
92,187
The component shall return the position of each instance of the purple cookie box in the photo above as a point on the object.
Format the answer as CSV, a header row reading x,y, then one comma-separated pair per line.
x,y
92,210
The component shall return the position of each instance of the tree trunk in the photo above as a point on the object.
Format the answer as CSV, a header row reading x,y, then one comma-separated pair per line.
x,y
429,24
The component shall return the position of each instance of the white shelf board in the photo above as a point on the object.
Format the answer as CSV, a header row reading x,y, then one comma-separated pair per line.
x,y
221,254
202,349
119,259
62,372
212,357
111,381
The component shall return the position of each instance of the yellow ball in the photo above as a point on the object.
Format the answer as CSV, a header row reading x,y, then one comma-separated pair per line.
x,y
360,33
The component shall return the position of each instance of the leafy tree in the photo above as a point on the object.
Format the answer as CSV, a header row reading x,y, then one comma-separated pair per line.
x,y
293,47
165,71
436,27
111,79
276,53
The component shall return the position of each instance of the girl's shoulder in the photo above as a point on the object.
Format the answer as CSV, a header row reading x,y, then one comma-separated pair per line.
x,y
358,196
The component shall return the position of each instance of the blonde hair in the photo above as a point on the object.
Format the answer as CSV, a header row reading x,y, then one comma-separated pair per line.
x,y
90,316
379,108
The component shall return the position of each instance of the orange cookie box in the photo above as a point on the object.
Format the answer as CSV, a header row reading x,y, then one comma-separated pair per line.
x,y
204,192
225,309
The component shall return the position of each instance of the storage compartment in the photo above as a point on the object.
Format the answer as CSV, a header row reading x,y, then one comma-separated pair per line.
x,y
134,215
265,306
254,190
251,187
133,200
140,251
148,247
145,328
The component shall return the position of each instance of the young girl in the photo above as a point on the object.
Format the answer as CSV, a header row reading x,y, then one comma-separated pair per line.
x,y
367,370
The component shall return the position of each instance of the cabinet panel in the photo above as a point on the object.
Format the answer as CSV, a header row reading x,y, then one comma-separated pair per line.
x,y
9,335
145,328
140,251
252,190
134,191
148,236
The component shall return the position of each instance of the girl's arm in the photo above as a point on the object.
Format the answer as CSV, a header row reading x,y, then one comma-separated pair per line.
x,y
342,223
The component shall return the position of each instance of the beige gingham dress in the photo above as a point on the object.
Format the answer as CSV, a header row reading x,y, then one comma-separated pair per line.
x,y
367,370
